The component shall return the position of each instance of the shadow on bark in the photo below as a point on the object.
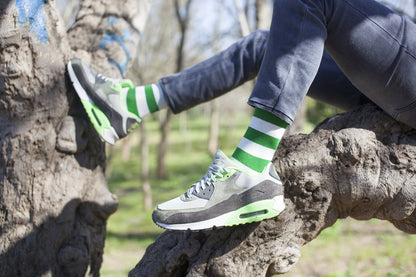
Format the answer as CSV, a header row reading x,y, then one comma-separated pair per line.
x,y
67,245
4,5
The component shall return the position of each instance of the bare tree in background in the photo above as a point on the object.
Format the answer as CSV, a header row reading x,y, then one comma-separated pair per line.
x,y
182,13
242,18
264,12
147,190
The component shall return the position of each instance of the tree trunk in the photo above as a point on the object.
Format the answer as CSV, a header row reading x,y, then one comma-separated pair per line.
x,y
109,149
242,18
127,147
183,129
183,20
162,170
54,200
358,164
214,127
147,190
264,12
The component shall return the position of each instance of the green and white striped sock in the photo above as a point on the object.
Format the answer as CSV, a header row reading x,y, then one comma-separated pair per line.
x,y
143,100
260,141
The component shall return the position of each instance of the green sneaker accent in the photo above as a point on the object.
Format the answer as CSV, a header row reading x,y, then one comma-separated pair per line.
x,y
97,117
134,126
126,83
253,212
224,175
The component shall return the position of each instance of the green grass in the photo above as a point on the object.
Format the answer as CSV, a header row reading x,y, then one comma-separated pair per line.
x,y
348,249
352,248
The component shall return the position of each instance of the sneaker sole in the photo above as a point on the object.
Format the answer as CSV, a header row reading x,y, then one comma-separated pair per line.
x,y
256,211
98,119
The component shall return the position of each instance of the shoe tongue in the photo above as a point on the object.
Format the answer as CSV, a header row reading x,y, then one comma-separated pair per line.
x,y
222,160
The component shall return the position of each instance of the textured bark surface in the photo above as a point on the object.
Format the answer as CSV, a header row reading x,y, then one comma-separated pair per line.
x,y
54,200
359,164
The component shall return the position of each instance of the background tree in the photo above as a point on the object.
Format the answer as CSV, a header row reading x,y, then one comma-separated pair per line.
x,y
182,12
54,200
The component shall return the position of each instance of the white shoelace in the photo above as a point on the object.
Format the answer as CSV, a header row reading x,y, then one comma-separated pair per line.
x,y
107,79
214,171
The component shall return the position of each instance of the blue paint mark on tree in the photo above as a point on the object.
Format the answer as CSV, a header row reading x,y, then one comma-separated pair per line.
x,y
114,38
112,20
126,34
32,11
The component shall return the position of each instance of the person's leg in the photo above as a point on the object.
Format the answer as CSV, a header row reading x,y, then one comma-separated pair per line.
x,y
373,45
292,57
217,75
378,55
241,62
114,107
143,100
199,83
332,87
245,187
299,31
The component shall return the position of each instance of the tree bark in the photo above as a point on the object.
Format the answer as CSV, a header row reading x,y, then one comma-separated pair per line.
x,y
144,156
54,200
358,164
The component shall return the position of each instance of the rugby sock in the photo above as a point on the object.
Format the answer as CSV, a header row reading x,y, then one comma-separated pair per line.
x,y
143,100
257,147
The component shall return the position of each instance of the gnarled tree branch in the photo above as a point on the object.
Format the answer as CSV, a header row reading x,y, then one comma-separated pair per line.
x,y
358,164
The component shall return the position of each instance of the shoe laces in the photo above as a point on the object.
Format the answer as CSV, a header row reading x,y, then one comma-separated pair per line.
x,y
107,79
117,84
214,171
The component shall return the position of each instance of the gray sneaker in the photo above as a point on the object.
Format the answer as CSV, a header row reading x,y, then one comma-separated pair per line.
x,y
225,196
100,97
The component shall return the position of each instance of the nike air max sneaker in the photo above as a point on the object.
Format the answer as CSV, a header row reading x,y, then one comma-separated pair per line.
x,y
100,97
225,196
